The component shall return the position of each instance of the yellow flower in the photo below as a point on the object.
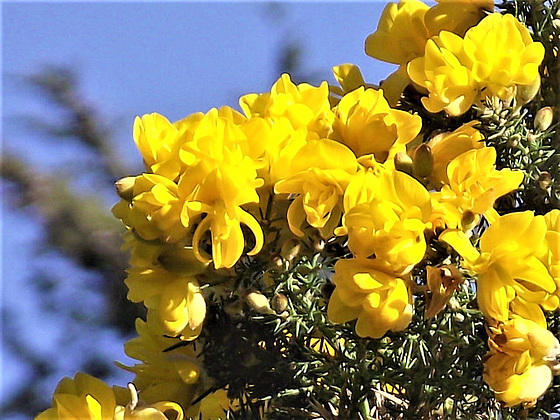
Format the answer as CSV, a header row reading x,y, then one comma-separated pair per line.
x,y
155,209
322,170
507,265
494,58
81,397
221,176
139,410
456,16
447,146
443,70
550,254
303,105
369,291
523,358
502,54
474,186
174,301
158,141
213,407
349,77
170,375
386,213
366,123
401,34
279,143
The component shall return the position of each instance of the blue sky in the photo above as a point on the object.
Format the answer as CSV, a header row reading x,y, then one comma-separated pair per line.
x,y
133,58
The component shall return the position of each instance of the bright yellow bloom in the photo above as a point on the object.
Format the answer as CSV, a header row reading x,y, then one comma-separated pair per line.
x,y
523,358
213,407
349,77
155,209
323,168
474,185
170,375
81,397
502,54
366,123
386,213
173,300
401,34
550,254
303,105
86,397
456,16
279,143
220,177
447,146
138,410
507,265
369,291
443,70
495,57
158,141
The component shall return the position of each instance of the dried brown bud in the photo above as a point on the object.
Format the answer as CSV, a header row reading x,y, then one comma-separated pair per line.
x,y
442,282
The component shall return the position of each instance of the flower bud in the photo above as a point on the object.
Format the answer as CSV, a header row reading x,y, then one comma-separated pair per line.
x,y
513,141
279,303
526,93
544,180
125,187
468,219
543,119
290,249
234,310
403,163
259,303
423,161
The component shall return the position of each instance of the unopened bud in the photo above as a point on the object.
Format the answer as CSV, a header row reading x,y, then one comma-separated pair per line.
x,y
290,249
526,93
259,303
319,244
125,187
468,219
403,163
234,310
279,303
532,137
277,260
543,119
513,141
423,161
556,22
544,180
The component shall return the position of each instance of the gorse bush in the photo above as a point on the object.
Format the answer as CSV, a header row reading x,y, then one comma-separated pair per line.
x,y
354,251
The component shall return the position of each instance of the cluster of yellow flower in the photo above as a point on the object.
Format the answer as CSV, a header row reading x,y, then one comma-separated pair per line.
x,y
303,161
455,52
